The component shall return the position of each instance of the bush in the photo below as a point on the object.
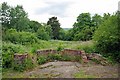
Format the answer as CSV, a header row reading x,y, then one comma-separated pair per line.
x,y
27,64
107,39
60,57
8,50
66,57
52,57
20,37
42,34
60,48
42,59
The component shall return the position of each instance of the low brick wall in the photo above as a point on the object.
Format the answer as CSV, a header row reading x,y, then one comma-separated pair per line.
x,y
65,51
44,52
71,52
19,58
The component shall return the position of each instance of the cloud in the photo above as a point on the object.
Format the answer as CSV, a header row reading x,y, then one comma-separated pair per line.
x,y
54,8
66,10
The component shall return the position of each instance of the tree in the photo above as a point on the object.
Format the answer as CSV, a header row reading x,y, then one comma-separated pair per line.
x,y
55,25
19,19
48,29
82,28
62,34
14,17
84,19
42,34
5,14
106,16
96,20
20,37
107,38
34,26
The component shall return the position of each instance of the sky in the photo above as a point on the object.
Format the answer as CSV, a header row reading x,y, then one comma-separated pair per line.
x,y
65,10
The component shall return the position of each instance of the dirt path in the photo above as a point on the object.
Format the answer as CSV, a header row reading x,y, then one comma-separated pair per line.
x,y
68,69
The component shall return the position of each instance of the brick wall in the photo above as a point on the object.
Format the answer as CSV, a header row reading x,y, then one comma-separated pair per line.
x,y
65,51
45,52
19,58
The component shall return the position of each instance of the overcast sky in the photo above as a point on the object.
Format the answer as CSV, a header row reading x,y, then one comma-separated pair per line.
x,y
66,10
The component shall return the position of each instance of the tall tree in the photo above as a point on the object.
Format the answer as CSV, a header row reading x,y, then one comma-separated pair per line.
x,y
5,14
84,19
82,28
96,20
107,39
34,26
55,25
19,19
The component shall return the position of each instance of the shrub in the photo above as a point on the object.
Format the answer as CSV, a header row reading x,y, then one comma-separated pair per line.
x,y
27,64
8,51
66,57
52,57
42,34
107,38
20,37
60,48
7,60
42,59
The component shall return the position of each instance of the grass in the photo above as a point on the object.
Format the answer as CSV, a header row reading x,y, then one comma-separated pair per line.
x,y
82,74
52,44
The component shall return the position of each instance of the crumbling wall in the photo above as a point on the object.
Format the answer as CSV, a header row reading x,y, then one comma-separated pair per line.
x,y
45,52
19,58
70,52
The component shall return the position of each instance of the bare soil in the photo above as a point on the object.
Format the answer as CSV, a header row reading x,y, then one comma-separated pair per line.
x,y
63,69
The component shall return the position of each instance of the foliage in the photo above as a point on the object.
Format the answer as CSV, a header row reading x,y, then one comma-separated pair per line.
x,y
34,26
42,34
107,38
87,48
60,48
82,74
8,50
27,64
5,14
84,27
52,57
62,34
42,59
60,57
66,57
20,37
48,29
55,26
13,17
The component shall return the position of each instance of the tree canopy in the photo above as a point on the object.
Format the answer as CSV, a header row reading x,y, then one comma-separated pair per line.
x,y
55,26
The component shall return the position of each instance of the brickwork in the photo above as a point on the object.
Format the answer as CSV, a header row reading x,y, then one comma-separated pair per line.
x,y
19,58
42,52
65,51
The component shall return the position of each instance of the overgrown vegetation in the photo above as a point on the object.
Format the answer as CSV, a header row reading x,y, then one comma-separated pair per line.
x,y
26,65
107,38
90,33
82,74
58,57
